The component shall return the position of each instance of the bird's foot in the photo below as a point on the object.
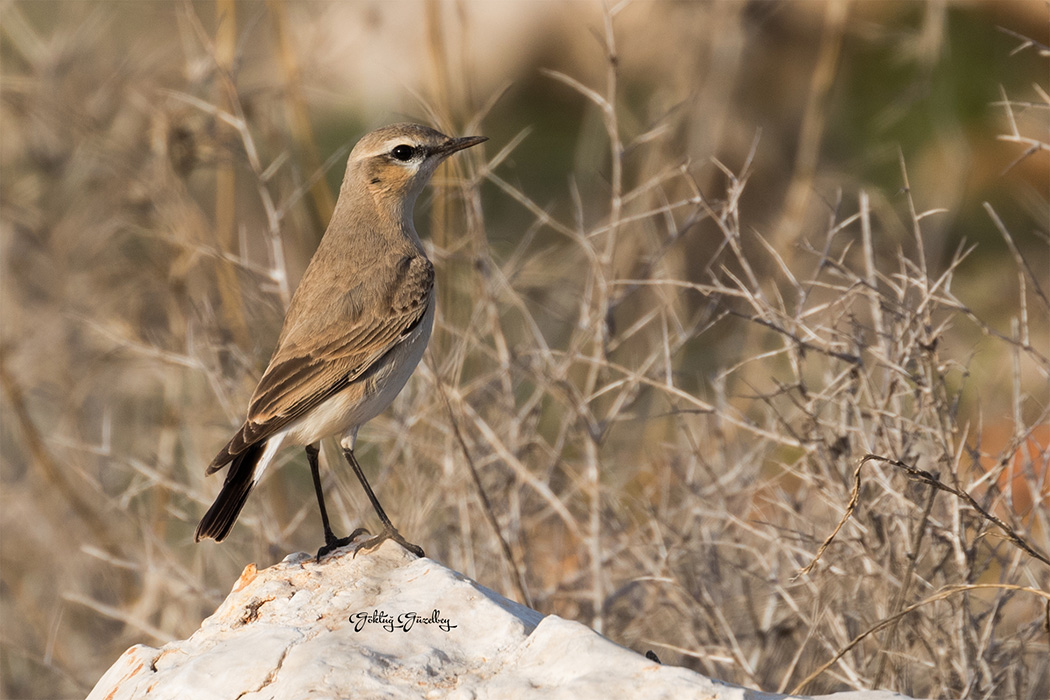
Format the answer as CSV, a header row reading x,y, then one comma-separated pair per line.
x,y
332,543
389,534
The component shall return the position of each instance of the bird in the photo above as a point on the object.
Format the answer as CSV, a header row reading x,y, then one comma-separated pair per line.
x,y
353,333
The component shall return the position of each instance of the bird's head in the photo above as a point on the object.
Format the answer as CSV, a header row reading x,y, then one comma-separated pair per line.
x,y
395,162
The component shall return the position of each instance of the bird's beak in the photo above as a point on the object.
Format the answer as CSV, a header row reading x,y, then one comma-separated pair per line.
x,y
452,145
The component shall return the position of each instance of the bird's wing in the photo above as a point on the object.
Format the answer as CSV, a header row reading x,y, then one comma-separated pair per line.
x,y
339,345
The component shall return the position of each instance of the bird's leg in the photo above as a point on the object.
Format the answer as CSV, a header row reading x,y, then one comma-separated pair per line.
x,y
331,542
389,531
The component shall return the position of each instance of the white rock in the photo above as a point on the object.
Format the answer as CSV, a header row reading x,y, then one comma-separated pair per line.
x,y
387,625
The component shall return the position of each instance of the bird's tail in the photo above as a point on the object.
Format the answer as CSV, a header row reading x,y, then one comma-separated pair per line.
x,y
240,478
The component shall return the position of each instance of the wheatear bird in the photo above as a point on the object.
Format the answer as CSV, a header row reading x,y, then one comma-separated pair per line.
x,y
355,330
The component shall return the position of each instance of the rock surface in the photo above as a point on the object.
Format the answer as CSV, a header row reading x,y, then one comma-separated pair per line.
x,y
386,624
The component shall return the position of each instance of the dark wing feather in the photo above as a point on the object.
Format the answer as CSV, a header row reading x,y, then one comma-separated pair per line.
x,y
319,358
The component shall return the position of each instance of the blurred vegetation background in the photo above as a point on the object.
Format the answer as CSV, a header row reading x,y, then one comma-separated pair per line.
x,y
713,255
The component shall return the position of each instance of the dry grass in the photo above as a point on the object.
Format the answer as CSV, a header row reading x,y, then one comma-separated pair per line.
x,y
638,410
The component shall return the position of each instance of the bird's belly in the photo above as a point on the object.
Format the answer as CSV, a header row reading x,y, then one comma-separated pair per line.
x,y
367,397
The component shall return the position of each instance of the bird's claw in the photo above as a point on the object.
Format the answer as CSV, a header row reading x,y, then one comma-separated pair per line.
x,y
389,534
332,543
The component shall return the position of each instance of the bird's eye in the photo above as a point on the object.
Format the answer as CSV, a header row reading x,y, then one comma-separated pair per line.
x,y
403,152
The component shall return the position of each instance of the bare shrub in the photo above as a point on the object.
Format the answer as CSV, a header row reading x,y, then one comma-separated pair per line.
x,y
639,409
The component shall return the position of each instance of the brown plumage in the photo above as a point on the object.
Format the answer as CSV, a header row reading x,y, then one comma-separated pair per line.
x,y
356,327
